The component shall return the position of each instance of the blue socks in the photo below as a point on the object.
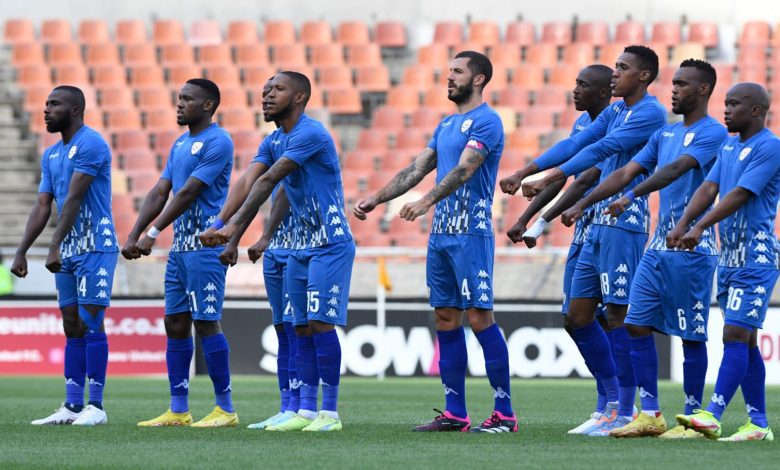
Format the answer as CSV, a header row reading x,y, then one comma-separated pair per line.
x,y
295,393
594,346
75,372
329,367
282,371
730,375
178,356
307,373
452,368
621,352
497,367
644,361
97,361
217,355
753,388
694,373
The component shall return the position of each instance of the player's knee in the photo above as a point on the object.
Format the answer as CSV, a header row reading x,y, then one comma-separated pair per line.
x,y
71,323
636,331
736,334
480,319
302,330
616,315
320,327
279,327
207,328
568,326
448,318
178,326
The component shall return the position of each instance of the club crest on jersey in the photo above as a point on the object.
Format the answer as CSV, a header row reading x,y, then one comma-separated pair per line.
x,y
72,152
744,153
196,146
688,139
466,125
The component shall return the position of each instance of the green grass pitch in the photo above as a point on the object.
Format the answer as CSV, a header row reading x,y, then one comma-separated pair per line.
x,y
377,420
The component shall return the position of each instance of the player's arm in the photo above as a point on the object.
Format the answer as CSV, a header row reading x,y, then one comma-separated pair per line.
x,y
702,199
79,183
279,209
402,182
470,160
728,205
153,205
607,188
575,192
516,231
36,222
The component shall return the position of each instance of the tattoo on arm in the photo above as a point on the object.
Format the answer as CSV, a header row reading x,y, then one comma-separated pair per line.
x,y
261,191
470,160
409,177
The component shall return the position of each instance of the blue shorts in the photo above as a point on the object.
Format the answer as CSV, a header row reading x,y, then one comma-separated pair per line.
x,y
86,279
671,293
195,284
744,295
318,283
459,271
274,272
568,272
607,264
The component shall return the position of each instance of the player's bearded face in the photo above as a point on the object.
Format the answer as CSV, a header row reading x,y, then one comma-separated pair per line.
x,y
460,93
57,115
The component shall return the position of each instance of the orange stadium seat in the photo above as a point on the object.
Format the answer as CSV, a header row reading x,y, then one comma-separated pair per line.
x,y
108,76
500,79
544,54
64,54
215,54
374,139
130,32
433,55
418,77
331,78
579,54
752,54
469,46
255,77
666,32
160,119
687,50
289,56
132,140
361,161
436,98
567,117
139,160
386,118
316,32
327,55
552,96
140,183
372,79
407,99
93,32
146,76
123,119
252,55
154,98
35,98
541,119
162,141
411,139
528,76
448,33
725,75
564,75
630,32
232,97
595,33
514,97
140,54
28,53
610,53
425,118
362,55
166,32
56,31
505,54
665,74
71,74
523,139
106,53
344,101
753,73
179,74
238,120
205,32
176,54
18,30
352,33
241,32
485,33
33,75
755,32
522,33
556,32
223,75
390,34
704,33
280,32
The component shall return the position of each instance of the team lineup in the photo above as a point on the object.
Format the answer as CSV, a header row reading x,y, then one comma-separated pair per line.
x,y
621,285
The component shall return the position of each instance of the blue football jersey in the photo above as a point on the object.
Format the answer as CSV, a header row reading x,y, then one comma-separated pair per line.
x,y
701,141
88,153
207,156
315,189
283,236
468,210
747,237
583,223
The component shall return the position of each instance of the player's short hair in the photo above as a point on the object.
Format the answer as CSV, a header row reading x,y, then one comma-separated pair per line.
x,y
211,89
648,59
301,83
478,64
706,71
601,73
75,95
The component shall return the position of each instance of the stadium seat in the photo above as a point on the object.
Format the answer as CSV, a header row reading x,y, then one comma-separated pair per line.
x,y
629,32
344,101
499,81
523,139
388,119
373,139
595,33
448,33
752,54
140,54
176,54
352,33
252,55
725,75
140,183
232,97
564,75
131,140
154,98
238,120
225,75
704,33
146,75
528,76
72,74
139,160
109,76
165,32
433,55
93,32
106,53
425,118
552,96
215,54
406,99
162,141
160,119
335,77
514,97
755,32
28,53
753,73
327,55
579,54
18,30
544,54
610,53
557,33
123,119
436,99
390,34
505,54
418,77
687,50
667,33
540,119
522,33
511,161
372,79
35,98
567,118
241,32
179,74
64,54
485,33
360,161
314,33
665,74
363,55
289,56
130,32
33,75
255,77
205,32
278,33
412,139
56,31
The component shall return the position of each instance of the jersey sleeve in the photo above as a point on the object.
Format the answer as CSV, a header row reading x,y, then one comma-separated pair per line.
x,y
704,147
761,168
264,154
90,158
714,175
485,135
434,137
647,158
46,185
217,154
567,148
167,173
304,145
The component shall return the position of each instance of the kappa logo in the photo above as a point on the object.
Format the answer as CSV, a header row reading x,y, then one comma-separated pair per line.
x,y
483,286
210,287
102,295
334,289
761,235
699,306
448,390
698,317
335,221
323,383
757,302
295,384
632,220
668,134
95,382
728,147
484,298
70,381
72,152
185,384
482,274
102,272
744,153
644,393
105,221
338,231
276,142
762,259
445,123
691,400
196,146
699,330
621,281
482,204
107,232
761,248
500,393
718,400
210,310
210,298
229,388
466,125
753,313
108,242
482,225
759,290
622,268
101,283
620,293
634,208
331,313
333,302
750,408
481,215
688,139
54,155
333,209
179,143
